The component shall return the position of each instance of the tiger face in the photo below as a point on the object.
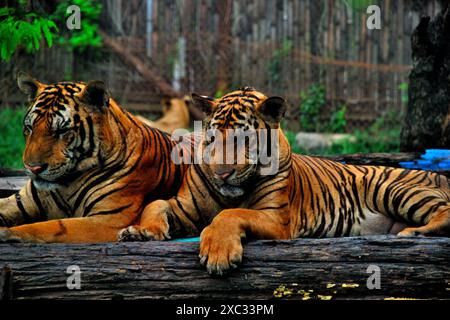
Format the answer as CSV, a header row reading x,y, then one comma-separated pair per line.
x,y
60,129
237,128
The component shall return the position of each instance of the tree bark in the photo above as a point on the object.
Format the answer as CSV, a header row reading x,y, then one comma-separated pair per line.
x,y
427,121
299,269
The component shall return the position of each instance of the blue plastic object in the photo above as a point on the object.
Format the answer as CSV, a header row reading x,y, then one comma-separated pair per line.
x,y
194,239
433,159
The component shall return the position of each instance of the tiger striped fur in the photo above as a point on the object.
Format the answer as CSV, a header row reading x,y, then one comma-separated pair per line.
x,y
307,197
93,166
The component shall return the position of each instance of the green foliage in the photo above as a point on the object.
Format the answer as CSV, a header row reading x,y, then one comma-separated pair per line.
x,y
359,5
87,36
404,91
290,136
382,136
274,66
312,104
338,121
12,142
19,28
218,94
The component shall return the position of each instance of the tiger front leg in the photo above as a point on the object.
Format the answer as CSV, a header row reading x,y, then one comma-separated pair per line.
x,y
161,220
9,212
220,243
18,209
154,224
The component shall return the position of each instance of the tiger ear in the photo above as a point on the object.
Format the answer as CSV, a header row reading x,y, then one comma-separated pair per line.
x,y
95,95
187,100
273,109
203,102
28,85
166,104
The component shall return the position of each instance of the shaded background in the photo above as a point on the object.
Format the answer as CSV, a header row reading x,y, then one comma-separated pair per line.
x,y
316,53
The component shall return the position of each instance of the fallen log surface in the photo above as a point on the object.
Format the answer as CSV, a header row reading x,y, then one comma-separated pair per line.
x,y
10,185
298,269
376,159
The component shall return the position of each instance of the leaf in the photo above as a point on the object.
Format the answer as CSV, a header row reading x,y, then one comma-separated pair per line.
x,y
4,52
47,33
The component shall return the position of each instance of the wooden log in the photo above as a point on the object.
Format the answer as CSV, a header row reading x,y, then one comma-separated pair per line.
x,y
334,268
378,159
10,185
5,172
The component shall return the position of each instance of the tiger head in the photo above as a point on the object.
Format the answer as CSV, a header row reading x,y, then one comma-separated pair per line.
x,y
60,128
244,120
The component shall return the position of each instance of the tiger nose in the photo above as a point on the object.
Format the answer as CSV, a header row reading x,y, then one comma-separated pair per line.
x,y
36,168
224,175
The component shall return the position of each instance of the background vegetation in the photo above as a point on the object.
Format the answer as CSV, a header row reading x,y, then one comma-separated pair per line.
x,y
29,26
11,138
26,27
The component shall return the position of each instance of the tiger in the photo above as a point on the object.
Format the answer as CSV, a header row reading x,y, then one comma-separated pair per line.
x,y
93,166
305,197
175,115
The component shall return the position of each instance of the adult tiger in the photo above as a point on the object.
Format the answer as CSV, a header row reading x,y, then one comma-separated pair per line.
x,y
307,197
89,160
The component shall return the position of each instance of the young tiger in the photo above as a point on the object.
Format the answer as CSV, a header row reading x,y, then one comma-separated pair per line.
x,y
89,160
175,115
306,197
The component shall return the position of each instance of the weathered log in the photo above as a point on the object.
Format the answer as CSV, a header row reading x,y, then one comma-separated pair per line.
x,y
298,269
6,172
427,121
10,185
378,159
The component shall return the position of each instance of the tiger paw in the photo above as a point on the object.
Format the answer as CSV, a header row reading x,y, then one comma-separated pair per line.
x,y
411,232
7,236
219,251
138,233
